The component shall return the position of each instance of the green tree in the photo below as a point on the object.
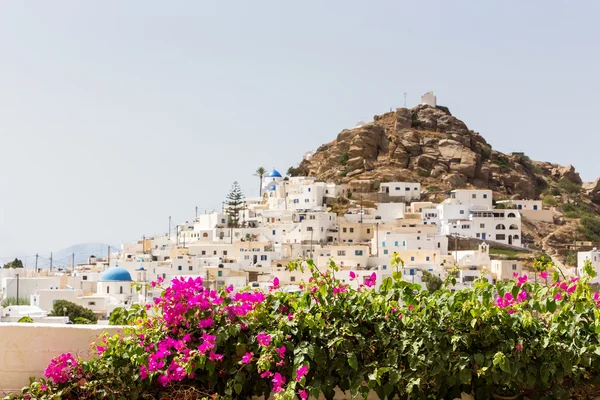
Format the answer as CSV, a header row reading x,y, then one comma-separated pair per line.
x,y
123,316
26,319
260,172
235,205
73,311
433,282
12,301
14,264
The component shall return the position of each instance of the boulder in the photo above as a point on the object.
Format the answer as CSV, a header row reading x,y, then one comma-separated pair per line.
x,y
567,172
455,180
403,119
592,190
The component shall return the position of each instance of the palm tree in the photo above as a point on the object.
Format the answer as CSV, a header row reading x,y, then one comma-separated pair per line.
x,y
260,172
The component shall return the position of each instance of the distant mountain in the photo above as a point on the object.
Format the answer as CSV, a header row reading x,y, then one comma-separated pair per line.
x,y
82,251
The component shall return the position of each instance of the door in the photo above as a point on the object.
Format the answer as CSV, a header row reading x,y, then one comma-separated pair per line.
x,y
509,239
483,236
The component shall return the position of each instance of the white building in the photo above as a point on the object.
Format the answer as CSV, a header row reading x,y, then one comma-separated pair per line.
x,y
404,191
429,99
594,257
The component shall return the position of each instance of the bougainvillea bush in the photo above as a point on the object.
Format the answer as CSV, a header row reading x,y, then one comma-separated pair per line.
x,y
510,340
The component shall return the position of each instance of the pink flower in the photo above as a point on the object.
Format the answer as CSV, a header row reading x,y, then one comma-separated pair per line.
x,y
519,347
263,339
522,280
266,374
205,323
410,306
522,296
275,283
352,275
281,351
61,368
143,372
515,274
571,289
100,349
563,285
229,289
596,296
574,278
558,296
278,381
301,372
302,394
247,358
544,274
214,356
339,289
314,289
290,316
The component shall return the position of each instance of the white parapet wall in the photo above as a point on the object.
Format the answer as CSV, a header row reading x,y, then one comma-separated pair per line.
x,y
26,349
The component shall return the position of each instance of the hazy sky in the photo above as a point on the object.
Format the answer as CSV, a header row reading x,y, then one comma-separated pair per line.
x,y
116,114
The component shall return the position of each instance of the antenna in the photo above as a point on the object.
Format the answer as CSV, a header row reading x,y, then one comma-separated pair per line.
x,y
404,99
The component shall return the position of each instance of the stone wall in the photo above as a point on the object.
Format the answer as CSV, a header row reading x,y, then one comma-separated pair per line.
x,y
27,349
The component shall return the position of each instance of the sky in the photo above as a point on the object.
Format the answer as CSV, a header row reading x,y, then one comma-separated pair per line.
x,y
115,115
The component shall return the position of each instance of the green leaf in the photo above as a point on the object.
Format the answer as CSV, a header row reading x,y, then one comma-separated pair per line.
x,y
479,359
238,388
394,376
352,361
551,305
465,375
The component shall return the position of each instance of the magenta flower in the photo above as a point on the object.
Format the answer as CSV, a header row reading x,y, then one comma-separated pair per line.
x,y
215,357
278,381
301,372
61,368
571,289
544,274
515,274
339,289
302,394
522,280
266,374
558,296
519,347
229,289
263,339
522,296
574,278
143,372
100,349
206,323
281,351
352,275
247,358
290,316
275,284
596,296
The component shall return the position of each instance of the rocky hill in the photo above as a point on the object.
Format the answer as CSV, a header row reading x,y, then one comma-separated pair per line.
x,y
429,145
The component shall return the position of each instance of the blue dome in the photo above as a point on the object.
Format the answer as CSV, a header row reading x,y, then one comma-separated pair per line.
x,y
115,274
140,268
272,187
274,174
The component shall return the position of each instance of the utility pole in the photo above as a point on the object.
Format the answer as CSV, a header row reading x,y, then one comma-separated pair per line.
x,y
311,243
36,263
50,261
361,208
73,261
377,240
196,212
177,235
169,234
108,258
17,289
144,244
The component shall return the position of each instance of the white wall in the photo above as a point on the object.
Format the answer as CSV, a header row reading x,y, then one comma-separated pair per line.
x,y
28,348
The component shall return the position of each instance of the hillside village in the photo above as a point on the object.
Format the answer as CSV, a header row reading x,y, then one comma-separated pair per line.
x,y
442,222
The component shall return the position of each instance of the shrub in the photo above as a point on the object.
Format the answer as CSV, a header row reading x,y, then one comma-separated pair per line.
x,y
549,201
124,316
26,319
344,158
424,173
508,340
73,311
12,301
590,228
502,162
568,186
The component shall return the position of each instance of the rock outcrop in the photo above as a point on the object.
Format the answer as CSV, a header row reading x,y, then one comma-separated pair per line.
x,y
431,146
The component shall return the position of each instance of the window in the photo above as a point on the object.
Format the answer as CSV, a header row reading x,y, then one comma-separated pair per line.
x,y
412,258
222,220
407,189
382,244
351,230
404,243
439,245
478,235
358,252
514,267
190,268
306,200
246,257
309,228
396,243
385,251
84,278
91,303
179,268
292,279
368,231
296,201
344,230
485,196
121,290
482,225
341,252
465,226
309,189
273,232
462,211
203,252
474,196
219,273
215,253
263,257
384,267
205,235
427,258
500,237
224,252
107,289
418,237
